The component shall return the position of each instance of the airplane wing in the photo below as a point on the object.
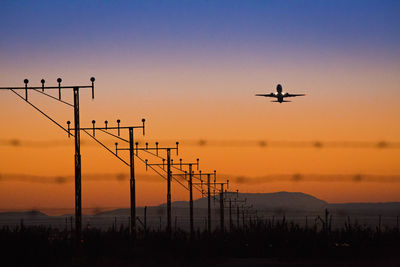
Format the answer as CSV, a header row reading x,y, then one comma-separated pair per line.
x,y
266,95
293,95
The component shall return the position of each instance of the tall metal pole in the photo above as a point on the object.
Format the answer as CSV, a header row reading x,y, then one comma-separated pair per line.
x,y
191,200
169,190
132,182
209,203
78,170
221,206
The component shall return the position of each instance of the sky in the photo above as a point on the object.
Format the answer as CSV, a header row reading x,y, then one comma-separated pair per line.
x,y
191,68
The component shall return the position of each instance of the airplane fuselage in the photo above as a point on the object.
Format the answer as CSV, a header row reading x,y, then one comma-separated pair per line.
x,y
279,95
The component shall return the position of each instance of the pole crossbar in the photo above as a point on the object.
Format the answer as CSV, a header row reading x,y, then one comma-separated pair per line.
x,y
45,87
144,149
174,164
110,128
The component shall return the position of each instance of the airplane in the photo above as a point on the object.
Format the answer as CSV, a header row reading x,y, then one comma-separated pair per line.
x,y
279,95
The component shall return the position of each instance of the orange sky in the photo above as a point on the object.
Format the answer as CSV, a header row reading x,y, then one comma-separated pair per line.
x,y
323,115
193,74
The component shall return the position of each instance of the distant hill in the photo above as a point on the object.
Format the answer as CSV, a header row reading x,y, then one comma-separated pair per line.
x,y
265,203
272,201
277,203
280,202
23,214
25,217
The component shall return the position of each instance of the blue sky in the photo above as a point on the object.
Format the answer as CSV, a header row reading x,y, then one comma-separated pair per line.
x,y
186,26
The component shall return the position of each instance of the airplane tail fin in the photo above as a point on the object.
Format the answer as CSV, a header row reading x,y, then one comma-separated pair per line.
x,y
281,101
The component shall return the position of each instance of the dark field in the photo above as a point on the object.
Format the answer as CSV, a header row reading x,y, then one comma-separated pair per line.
x,y
259,243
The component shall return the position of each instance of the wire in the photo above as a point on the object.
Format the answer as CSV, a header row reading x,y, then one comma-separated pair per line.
x,y
151,167
151,153
44,114
55,98
116,136
109,150
104,146
173,178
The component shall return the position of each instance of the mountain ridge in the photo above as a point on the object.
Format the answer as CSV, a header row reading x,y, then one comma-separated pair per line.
x,y
282,201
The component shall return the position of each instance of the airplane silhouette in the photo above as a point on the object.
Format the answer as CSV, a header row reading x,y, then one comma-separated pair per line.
x,y
279,95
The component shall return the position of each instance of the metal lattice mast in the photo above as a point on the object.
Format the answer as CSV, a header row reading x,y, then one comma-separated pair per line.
x,y
132,182
77,158
78,166
131,164
169,225
191,200
208,203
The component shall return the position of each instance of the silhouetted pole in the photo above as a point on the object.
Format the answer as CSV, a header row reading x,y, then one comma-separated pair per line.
x,y
221,207
191,200
77,156
168,190
209,203
132,182
78,170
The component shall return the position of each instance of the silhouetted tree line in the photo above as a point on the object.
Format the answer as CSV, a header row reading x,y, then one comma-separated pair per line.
x,y
258,238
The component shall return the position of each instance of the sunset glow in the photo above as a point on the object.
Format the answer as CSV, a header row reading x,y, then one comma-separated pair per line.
x,y
192,71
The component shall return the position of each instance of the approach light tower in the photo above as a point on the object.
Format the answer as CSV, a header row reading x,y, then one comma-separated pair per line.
x,y
77,158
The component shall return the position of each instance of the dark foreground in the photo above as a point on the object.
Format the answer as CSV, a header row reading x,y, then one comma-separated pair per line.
x,y
261,243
